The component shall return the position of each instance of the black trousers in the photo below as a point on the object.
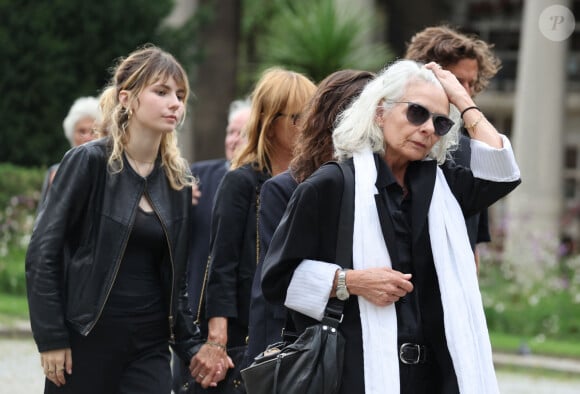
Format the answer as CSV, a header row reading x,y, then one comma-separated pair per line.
x,y
120,356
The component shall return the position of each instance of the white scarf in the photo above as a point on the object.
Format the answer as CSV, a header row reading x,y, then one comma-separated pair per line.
x,y
465,325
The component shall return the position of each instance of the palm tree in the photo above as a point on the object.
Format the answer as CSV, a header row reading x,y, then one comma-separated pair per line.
x,y
317,38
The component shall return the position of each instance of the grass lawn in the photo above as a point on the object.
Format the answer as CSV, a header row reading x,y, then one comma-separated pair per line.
x,y
13,307
549,347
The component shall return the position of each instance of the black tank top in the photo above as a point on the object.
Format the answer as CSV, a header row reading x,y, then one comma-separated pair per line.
x,y
137,290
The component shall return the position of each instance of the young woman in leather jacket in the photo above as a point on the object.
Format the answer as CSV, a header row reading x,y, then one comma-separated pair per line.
x,y
106,263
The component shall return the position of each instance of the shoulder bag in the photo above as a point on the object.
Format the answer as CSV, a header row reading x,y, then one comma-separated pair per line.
x,y
313,363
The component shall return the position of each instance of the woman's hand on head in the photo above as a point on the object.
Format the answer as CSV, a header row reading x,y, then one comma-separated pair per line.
x,y
456,93
380,285
55,363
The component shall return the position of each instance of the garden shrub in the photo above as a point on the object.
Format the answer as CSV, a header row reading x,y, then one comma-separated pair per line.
x,y
546,309
19,193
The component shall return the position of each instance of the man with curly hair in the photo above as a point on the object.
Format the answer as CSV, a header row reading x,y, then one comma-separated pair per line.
x,y
472,61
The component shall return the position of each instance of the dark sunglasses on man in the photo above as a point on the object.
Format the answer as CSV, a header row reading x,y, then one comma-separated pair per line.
x,y
417,115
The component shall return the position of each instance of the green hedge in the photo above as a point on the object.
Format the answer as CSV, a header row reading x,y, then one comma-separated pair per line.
x,y
17,181
541,311
19,193
56,51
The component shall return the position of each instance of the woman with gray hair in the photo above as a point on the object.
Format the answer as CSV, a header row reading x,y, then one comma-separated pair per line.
x,y
413,320
81,120
78,126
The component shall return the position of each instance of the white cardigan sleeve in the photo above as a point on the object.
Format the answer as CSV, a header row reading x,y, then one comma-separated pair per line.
x,y
493,164
310,288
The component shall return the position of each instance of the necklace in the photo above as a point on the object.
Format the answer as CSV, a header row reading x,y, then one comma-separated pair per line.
x,y
143,171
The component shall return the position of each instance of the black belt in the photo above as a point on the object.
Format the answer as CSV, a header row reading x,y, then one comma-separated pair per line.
x,y
412,353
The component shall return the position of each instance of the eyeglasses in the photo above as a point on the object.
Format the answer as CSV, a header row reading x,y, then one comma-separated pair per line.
x,y
417,115
293,117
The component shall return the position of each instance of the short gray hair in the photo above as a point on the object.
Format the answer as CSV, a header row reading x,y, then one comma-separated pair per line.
x,y
357,128
237,106
82,107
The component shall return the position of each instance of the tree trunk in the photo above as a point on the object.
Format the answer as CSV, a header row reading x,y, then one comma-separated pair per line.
x,y
214,83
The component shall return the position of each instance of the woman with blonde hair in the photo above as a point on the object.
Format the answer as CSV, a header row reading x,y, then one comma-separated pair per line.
x,y
277,102
106,263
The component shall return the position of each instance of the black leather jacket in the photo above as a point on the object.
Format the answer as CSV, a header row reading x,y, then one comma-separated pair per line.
x,y
78,243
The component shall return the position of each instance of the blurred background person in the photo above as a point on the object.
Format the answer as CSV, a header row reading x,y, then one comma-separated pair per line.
x,y
209,174
79,127
278,101
472,61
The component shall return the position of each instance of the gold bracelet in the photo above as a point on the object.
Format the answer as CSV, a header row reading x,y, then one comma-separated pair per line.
x,y
216,344
472,126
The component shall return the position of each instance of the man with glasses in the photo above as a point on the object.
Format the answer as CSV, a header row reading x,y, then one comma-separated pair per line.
x,y
472,62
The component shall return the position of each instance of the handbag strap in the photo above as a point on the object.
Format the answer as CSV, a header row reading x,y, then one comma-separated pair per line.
x,y
334,308
333,311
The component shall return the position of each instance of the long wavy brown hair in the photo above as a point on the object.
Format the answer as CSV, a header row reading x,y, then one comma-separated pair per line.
x,y
447,46
334,94
141,68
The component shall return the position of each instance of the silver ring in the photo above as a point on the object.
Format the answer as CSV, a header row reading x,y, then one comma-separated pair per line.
x,y
201,376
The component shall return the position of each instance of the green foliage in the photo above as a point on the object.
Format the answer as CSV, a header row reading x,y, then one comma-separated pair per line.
x,y
544,310
12,277
513,343
12,306
16,181
19,193
53,51
316,38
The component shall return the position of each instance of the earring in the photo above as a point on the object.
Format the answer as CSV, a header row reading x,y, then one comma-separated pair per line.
x,y
129,114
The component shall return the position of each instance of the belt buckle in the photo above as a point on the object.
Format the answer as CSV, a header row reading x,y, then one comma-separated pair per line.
x,y
403,355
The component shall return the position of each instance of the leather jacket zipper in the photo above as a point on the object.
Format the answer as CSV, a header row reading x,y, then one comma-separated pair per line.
x,y
117,266
170,317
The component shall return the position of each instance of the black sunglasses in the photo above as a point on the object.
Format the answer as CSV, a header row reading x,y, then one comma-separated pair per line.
x,y
417,115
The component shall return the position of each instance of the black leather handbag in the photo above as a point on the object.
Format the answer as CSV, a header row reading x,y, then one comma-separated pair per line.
x,y
312,364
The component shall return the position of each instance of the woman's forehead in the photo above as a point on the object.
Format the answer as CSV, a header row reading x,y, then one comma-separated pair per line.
x,y
430,95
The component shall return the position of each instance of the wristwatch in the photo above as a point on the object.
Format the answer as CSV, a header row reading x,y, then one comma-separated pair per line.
x,y
341,290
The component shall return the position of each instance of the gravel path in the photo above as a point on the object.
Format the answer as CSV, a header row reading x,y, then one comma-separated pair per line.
x,y
20,373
